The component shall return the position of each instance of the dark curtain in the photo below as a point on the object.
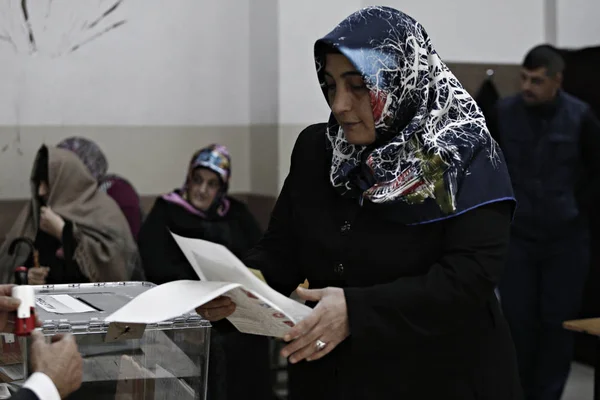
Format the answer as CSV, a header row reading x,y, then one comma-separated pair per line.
x,y
583,81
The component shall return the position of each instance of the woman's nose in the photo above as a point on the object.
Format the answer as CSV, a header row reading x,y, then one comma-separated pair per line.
x,y
341,102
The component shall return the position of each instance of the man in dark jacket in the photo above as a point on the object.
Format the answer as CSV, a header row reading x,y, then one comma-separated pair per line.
x,y
551,142
57,367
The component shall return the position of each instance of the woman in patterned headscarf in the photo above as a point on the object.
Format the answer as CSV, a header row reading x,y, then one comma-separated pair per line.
x,y
202,209
397,211
121,191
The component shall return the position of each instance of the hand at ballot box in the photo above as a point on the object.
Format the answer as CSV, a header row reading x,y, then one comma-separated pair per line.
x,y
217,309
59,360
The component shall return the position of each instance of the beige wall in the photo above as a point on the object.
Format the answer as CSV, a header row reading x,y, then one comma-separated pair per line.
x,y
263,162
154,159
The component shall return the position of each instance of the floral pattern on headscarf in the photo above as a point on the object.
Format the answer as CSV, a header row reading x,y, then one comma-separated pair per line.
x,y
216,158
433,157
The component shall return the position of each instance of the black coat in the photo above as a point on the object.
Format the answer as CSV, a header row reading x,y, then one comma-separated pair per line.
x,y
424,320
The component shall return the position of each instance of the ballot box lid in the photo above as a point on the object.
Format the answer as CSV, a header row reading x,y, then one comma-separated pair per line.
x,y
81,308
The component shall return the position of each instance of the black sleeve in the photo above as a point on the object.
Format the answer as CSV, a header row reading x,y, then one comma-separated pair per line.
x,y
24,394
252,231
162,259
275,254
590,142
69,243
71,271
453,291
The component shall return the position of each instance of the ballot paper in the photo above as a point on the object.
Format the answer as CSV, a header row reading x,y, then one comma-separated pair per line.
x,y
62,304
260,310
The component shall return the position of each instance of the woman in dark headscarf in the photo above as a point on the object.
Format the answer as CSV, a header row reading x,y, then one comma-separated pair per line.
x,y
121,191
397,211
202,209
80,233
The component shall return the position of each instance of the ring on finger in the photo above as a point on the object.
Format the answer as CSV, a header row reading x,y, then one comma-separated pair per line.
x,y
320,345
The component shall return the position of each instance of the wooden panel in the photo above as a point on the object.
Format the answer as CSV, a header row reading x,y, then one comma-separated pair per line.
x,y
506,77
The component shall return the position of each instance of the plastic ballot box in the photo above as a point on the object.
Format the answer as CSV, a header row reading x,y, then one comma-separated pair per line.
x,y
168,360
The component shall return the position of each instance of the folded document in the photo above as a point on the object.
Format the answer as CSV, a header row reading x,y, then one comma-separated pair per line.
x,y
260,309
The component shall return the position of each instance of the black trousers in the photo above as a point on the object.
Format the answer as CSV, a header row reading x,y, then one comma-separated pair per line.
x,y
541,288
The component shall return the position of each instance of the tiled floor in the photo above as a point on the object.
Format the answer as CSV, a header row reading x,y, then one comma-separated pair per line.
x,y
581,383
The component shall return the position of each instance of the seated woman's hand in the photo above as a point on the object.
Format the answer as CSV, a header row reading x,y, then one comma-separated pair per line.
x,y
51,222
322,330
37,275
217,309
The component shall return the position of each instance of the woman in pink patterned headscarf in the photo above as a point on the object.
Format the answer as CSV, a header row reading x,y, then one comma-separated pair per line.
x,y
121,191
202,209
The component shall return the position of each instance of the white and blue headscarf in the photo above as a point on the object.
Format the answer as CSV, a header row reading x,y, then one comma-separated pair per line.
x,y
433,157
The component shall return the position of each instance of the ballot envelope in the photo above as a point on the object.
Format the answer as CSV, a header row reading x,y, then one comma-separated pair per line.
x,y
167,360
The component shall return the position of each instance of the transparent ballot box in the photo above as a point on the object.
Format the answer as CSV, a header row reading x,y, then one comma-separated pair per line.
x,y
168,360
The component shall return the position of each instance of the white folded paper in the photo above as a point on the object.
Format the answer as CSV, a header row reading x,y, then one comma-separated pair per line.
x,y
260,309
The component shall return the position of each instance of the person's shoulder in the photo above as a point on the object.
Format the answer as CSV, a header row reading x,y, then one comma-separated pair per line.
x,y
576,102
313,131
160,204
508,101
117,181
310,139
237,206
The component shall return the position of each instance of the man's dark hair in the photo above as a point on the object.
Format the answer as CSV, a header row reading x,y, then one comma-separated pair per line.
x,y
544,56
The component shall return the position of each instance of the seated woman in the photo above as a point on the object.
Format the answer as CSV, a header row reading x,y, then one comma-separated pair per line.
x,y
117,187
201,209
80,233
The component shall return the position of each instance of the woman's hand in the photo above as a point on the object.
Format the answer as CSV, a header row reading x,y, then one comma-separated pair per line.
x,y
37,275
217,309
51,222
326,326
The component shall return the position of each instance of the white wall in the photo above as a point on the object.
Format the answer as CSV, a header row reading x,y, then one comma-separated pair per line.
x,y
263,61
264,96
461,30
301,23
175,77
578,23
180,62
301,100
479,31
